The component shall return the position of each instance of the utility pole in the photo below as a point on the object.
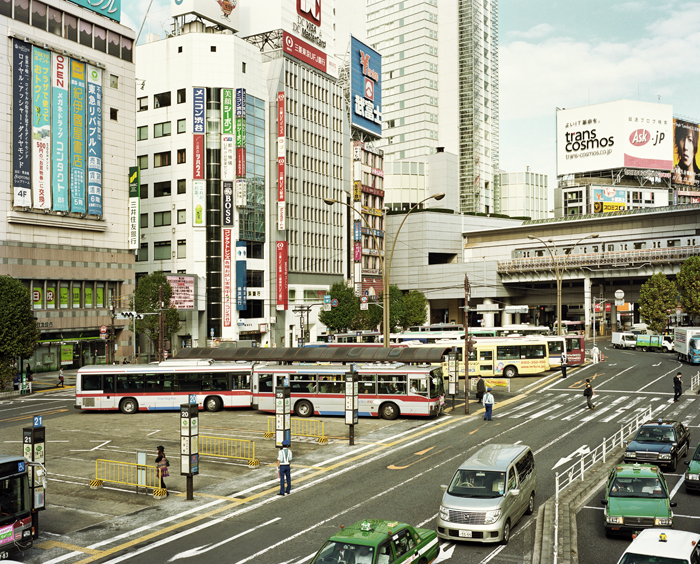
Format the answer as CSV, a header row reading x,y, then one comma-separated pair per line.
x,y
112,333
467,344
161,325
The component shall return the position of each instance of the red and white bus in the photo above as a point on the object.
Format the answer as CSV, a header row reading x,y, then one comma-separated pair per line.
x,y
385,390
164,386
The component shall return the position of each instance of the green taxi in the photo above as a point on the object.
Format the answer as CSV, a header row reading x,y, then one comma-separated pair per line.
x,y
375,541
692,476
636,498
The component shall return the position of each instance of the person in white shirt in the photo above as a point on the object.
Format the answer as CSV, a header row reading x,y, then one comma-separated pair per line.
x,y
595,353
488,404
284,460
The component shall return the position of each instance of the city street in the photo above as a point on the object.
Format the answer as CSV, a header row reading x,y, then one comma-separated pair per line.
x,y
394,471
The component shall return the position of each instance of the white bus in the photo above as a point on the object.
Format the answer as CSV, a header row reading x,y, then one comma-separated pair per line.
x,y
385,390
164,386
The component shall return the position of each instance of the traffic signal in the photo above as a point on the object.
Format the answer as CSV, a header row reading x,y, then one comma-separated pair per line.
x,y
471,345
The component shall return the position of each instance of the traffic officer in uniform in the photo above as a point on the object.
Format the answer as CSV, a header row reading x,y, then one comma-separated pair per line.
x,y
284,460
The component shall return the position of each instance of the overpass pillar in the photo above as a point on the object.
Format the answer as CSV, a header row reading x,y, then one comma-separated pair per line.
x,y
506,318
488,316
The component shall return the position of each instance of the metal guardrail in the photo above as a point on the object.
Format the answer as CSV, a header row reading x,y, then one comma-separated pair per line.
x,y
229,448
16,393
578,470
695,382
127,474
301,428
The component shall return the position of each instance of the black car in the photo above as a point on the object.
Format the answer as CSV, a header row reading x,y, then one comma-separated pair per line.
x,y
661,442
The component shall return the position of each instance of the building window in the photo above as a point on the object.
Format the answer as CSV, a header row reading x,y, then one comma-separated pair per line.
x,y
182,126
85,33
113,44
55,20
161,100
161,129
243,67
161,189
142,255
182,248
142,161
142,133
39,15
161,219
182,186
144,220
113,81
70,23
181,156
213,48
161,159
143,191
182,96
127,49
179,49
142,104
181,216
113,113
161,250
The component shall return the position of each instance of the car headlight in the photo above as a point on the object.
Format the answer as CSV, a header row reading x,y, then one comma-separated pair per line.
x,y
630,454
444,514
663,521
492,516
26,533
692,476
614,520
664,457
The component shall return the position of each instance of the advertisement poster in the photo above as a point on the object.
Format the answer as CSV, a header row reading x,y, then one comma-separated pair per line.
x,y
227,283
282,276
198,160
59,131
228,158
241,193
198,111
134,208
77,137
686,161
22,123
94,140
227,219
199,203
241,276
227,123
41,129
365,88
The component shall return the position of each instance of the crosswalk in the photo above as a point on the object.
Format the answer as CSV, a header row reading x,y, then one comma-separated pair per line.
x,y
610,407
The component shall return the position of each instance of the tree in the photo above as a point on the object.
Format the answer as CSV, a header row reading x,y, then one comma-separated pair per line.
x,y
415,305
346,313
656,296
146,300
396,306
19,333
688,283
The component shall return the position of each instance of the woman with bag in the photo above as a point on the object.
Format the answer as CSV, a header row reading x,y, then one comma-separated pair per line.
x,y
588,394
162,464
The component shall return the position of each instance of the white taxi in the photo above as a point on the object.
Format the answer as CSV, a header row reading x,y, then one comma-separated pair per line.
x,y
663,545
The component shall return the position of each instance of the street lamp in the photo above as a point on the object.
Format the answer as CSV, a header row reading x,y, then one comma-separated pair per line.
x,y
386,265
559,271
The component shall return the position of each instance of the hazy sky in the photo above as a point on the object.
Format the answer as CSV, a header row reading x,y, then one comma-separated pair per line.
x,y
561,53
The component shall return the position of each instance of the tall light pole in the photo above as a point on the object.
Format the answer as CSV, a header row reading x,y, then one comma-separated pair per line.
x,y
559,271
386,265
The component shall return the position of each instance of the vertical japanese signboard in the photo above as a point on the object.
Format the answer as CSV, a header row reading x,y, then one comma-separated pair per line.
x,y
227,275
198,160
199,203
227,203
228,147
134,208
198,133
281,163
41,129
240,131
59,131
241,193
77,136
94,140
365,88
241,276
22,123
282,276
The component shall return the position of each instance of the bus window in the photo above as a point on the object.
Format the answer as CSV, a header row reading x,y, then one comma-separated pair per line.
x,y
129,383
302,383
392,384
367,384
532,351
508,352
240,381
154,382
418,386
216,382
485,355
266,383
108,383
187,382
572,344
92,382
555,348
332,384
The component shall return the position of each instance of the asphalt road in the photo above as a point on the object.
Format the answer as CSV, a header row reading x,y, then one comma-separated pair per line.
x,y
394,471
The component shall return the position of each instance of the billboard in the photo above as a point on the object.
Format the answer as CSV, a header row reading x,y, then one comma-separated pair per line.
x,y
22,123
625,133
59,131
199,203
365,88
686,167
94,140
109,8
41,129
77,136
134,208
227,238
220,12
183,291
282,276
241,276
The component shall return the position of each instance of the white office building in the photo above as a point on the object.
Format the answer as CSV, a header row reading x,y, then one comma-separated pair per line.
x,y
524,194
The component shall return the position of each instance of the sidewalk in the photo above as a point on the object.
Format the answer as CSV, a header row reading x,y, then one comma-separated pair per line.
x,y
45,381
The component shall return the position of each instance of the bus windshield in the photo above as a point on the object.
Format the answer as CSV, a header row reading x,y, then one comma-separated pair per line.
x,y
14,498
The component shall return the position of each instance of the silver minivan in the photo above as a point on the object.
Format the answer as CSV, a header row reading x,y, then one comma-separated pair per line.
x,y
489,494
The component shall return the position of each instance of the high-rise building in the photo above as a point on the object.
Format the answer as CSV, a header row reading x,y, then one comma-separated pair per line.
x,y
440,75
67,94
524,194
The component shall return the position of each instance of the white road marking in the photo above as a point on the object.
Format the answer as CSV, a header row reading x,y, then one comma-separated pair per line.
x,y
677,486
419,525
622,409
601,384
659,378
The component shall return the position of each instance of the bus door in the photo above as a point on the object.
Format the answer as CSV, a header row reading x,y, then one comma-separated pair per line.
x,y
108,400
485,361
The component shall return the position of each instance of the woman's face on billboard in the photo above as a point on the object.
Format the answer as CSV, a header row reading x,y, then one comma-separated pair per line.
x,y
686,151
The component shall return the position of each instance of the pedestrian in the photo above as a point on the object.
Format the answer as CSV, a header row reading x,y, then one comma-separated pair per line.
x,y
61,379
284,459
162,464
588,394
488,404
677,387
595,353
480,389
29,373
563,365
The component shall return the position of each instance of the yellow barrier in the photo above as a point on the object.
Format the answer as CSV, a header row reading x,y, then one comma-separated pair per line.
x,y
229,448
301,428
127,474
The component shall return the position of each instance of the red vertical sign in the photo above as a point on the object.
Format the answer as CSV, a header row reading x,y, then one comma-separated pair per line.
x,y
240,161
281,187
198,173
282,276
227,277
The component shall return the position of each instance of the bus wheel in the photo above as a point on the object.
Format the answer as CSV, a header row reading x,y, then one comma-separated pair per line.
x,y
212,404
510,371
389,411
129,406
303,408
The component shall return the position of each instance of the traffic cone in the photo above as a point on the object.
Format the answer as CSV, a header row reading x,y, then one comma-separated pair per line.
x,y
602,357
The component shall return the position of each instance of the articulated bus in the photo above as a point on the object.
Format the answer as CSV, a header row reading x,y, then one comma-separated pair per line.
x,y
385,390
15,506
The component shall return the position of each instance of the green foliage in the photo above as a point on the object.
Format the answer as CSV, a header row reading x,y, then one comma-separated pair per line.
x,y
345,315
19,333
415,309
656,296
688,283
146,300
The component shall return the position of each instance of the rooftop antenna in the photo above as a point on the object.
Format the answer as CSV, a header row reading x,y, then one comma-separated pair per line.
x,y
143,22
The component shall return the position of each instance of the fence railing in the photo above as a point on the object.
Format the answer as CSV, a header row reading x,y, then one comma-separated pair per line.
x,y
16,393
229,448
301,428
577,472
695,381
127,474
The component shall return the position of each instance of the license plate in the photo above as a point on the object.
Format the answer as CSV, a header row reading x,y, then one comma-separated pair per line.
x,y
465,534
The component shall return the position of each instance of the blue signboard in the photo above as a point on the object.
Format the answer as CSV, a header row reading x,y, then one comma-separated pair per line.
x,y
22,123
358,231
94,140
77,136
198,107
365,88
241,276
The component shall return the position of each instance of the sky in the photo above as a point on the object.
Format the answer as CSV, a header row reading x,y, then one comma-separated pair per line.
x,y
566,54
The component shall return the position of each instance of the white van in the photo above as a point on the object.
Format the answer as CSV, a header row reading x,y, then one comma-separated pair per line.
x,y
624,340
